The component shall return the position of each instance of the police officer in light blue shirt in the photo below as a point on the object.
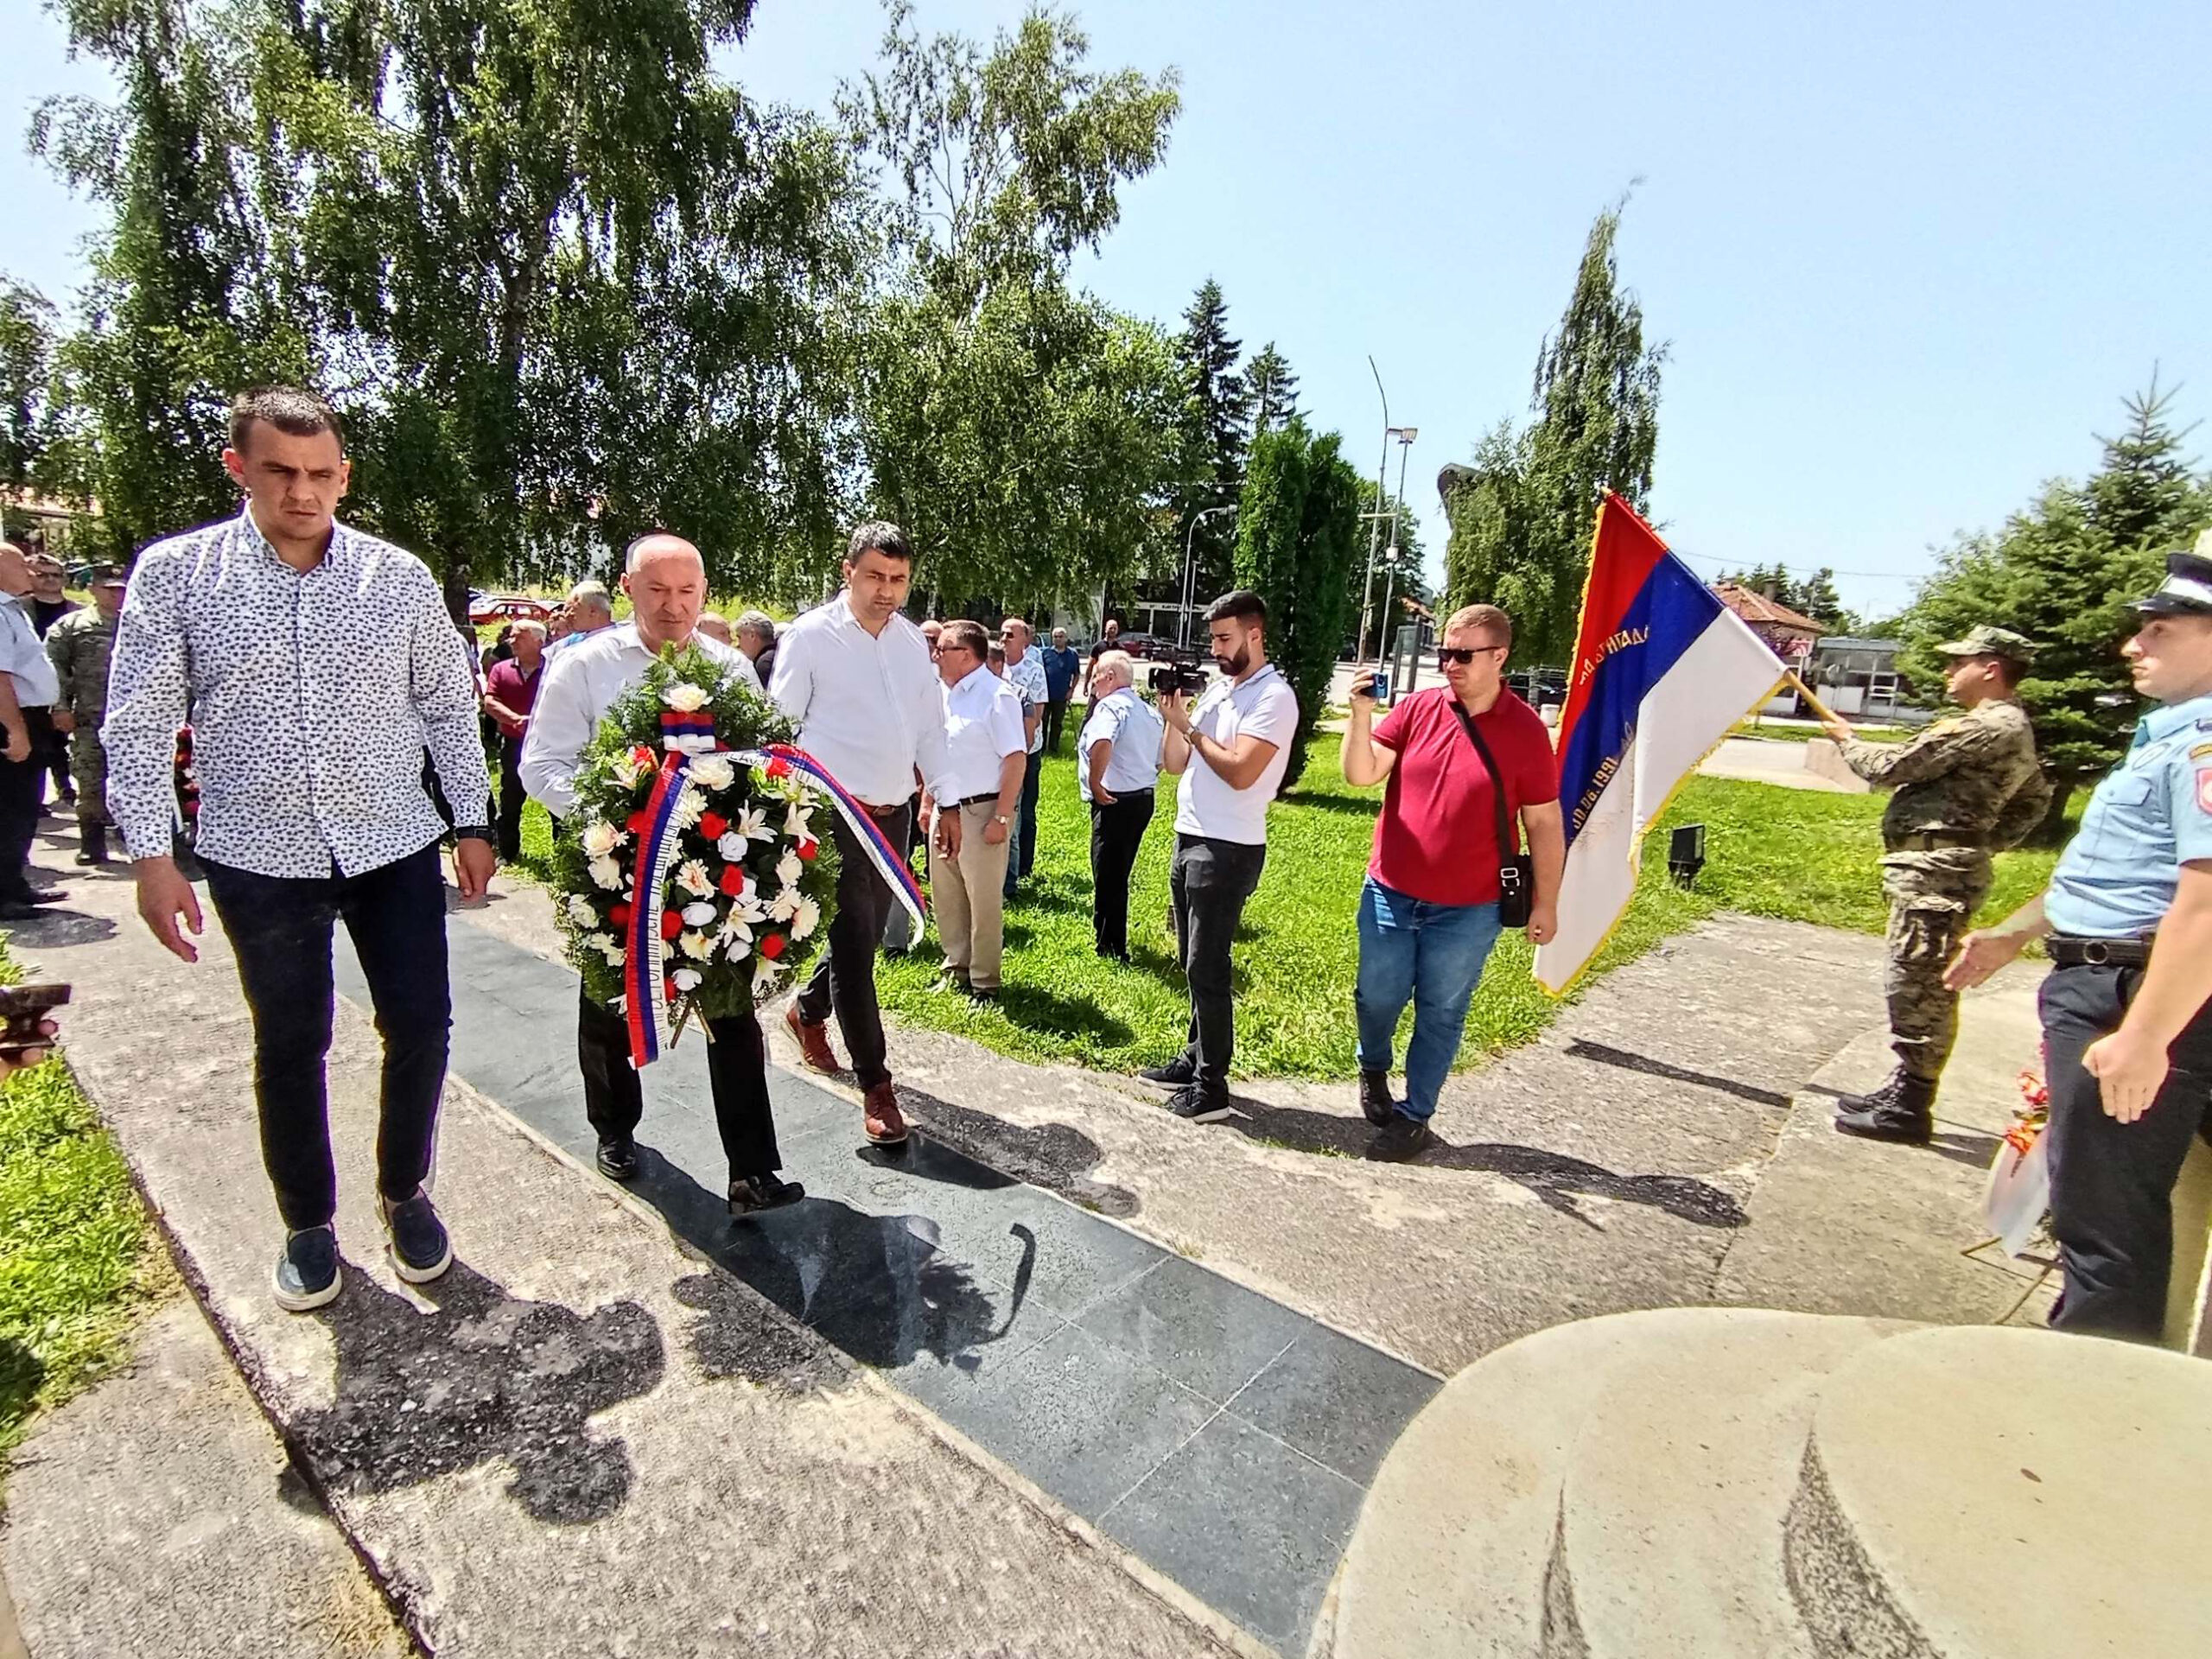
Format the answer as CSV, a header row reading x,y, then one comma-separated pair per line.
x,y
2127,1008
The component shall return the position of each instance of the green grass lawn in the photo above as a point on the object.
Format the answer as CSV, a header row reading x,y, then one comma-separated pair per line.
x,y
1797,855
1774,733
74,1262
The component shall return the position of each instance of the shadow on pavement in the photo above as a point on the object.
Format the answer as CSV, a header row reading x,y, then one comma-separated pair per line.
x,y
483,1375
1555,1178
1056,1156
1579,1048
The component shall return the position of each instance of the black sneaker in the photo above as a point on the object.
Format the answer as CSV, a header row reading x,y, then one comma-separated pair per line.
x,y
307,1273
1375,1102
756,1193
420,1249
1178,1073
618,1157
1402,1138
983,993
1192,1107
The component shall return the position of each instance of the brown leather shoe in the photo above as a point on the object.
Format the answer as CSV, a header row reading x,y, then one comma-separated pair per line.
x,y
881,1117
813,1041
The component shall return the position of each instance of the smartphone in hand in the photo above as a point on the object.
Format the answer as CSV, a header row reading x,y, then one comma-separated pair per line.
x,y
25,1008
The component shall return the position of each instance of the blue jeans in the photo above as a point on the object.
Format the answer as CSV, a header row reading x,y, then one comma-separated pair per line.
x,y
1432,955
1021,844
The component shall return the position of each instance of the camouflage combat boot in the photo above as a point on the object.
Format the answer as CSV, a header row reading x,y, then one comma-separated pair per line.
x,y
1901,1109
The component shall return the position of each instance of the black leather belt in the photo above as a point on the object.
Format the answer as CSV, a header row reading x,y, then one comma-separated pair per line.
x,y
2070,952
978,800
1936,840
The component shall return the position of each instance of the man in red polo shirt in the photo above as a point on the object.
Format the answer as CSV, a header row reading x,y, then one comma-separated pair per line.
x,y
510,691
1428,914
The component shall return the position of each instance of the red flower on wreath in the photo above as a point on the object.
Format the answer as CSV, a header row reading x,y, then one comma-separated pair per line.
x,y
640,822
619,915
807,848
732,879
644,757
713,825
671,923
778,766
772,946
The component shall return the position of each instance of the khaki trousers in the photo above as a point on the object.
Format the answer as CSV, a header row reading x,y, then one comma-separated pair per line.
x,y
969,893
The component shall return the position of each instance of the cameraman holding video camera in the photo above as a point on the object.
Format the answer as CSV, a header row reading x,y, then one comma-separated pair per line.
x,y
1446,876
1230,748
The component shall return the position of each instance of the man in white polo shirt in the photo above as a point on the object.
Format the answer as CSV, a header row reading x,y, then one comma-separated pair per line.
x,y
1117,766
854,676
985,745
1229,750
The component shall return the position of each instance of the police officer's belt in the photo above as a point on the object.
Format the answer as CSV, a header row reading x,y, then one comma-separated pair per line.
x,y
2069,952
1936,840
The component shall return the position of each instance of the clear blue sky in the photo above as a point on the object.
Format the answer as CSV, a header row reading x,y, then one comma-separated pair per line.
x,y
1908,258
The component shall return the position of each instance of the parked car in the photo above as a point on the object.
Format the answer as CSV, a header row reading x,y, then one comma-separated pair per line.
x,y
1538,686
507,607
1144,646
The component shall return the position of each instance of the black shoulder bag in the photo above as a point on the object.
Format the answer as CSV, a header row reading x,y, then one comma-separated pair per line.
x,y
1516,871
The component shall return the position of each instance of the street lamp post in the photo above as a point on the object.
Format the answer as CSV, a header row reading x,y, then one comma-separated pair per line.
x,y
1190,569
1405,435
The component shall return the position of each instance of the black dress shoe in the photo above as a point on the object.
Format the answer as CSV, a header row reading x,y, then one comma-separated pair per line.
x,y
14,910
618,1157
756,1193
1400,1139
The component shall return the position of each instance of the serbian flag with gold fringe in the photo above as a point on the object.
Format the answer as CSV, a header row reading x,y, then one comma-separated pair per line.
x,y
1662,671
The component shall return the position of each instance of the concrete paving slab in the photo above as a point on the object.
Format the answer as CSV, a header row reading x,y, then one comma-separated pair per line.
x,y
585,1440
158,1515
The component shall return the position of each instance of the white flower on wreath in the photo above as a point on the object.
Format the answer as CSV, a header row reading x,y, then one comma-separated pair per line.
x,y
732,847
690,807
696,945
582,911
694,879
747,908
806,915
799,821
606,872
765,973
698,914
785,904
600,838
712,773
788,868
735,939
685,697
625,769
607,945
751,823
685,979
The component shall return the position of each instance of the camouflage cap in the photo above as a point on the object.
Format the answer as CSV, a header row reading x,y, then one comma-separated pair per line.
x,y
107,576
1986,641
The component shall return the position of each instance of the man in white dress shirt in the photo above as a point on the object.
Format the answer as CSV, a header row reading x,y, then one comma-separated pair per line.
x,y
855,676
666,581
1117,767
28,689
1025,672
986,742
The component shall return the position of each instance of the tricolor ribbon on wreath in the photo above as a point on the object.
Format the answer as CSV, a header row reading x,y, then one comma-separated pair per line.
x,y
687,735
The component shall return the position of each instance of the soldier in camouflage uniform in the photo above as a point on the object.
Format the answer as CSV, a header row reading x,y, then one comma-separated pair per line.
x,y
1966,788
78,646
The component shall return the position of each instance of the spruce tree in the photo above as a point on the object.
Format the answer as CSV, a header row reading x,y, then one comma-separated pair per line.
x,y
1216,404
1271,386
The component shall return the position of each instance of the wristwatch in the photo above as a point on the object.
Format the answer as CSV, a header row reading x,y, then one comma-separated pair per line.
x,y
472,832
1000,817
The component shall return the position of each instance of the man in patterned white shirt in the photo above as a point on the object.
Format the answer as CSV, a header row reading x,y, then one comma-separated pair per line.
x,y
316,664
1025,672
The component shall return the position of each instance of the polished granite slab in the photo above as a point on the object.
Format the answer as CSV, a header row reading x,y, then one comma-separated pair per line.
x,y
1225,1438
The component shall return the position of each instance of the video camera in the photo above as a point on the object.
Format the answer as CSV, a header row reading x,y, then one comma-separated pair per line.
x,y
1178,675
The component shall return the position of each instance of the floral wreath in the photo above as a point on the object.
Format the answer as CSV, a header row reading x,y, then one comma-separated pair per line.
x,y
691,878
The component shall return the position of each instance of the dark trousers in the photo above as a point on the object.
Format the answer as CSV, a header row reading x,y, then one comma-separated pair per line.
x,y
511,796
1023,853
280,929
57,758
737,1074
1116,832
1209,883
1056,716
22,784
2111,1183
844,979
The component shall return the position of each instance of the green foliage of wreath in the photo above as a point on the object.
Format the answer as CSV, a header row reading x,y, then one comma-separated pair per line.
x,y
756,880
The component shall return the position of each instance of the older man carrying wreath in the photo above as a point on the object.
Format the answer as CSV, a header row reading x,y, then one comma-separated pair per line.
x,y
666,581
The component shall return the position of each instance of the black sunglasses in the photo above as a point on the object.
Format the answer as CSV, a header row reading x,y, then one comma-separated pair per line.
x,y
1464,654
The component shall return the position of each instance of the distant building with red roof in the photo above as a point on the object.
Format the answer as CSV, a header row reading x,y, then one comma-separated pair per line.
x,y
1788,633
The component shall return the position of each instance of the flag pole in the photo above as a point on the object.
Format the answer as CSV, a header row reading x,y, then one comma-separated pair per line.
x,y
1806,692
